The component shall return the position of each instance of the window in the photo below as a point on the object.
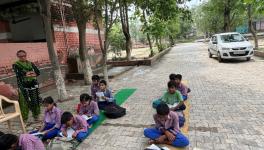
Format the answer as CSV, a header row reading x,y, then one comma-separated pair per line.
x,y
232,38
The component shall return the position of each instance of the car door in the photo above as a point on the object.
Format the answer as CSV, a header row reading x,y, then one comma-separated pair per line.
x,y
210,44
214,45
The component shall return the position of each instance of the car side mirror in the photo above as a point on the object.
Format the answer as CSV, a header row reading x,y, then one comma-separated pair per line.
x,y
214,42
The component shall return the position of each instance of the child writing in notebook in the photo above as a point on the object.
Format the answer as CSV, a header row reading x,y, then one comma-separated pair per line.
x,y
104,96
51,121
89,108
23,142
76,123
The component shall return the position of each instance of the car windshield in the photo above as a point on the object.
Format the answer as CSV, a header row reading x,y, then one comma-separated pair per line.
x,y
232,38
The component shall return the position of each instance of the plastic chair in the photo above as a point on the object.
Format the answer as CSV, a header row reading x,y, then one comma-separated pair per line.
x,y
8,116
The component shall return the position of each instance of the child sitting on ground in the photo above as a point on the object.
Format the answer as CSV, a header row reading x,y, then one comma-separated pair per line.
x,y
167,128
104,96
51,121
179,85
89,108
76,123
95,86
172,97
23,142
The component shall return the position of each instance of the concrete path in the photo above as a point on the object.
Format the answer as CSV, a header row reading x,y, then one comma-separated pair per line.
x,y
226,102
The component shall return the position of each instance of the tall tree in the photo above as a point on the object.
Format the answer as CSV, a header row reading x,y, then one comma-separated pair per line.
x,y
143,12
82,11
254,9
250,24
123,10
46,16
227,12
219,15
107,9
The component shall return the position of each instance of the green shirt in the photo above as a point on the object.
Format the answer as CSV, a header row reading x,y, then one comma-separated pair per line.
x,y
172,98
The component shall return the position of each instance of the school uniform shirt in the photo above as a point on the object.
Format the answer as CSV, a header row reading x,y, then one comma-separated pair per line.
x,y
53,116
171,124
171,99
30,142
79,125
90,109
108,94
94,88
183,89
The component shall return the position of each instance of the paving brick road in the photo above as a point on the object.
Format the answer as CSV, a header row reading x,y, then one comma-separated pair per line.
x,y
227,102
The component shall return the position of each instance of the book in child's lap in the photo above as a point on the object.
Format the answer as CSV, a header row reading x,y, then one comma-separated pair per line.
x,y
70,132
100,95
87,117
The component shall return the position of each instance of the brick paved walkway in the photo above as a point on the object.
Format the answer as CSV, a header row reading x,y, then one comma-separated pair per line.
x,y
226,102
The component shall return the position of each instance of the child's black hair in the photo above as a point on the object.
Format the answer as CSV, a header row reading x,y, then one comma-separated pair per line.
x,y
66,116
163,109
21,51
104,82
171,84
85,97
172,76
1,133
49,100
7,140
178,76
95,78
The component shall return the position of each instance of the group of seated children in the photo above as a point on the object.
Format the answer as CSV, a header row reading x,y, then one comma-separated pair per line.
x,y
100,93
59,123
56,122
170,117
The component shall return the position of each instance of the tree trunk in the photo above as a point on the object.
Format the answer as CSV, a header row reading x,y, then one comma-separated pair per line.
x,y
125,27
87,70
227,18
105,71
46,16
171,40
128,47
104,47
250,26
148,36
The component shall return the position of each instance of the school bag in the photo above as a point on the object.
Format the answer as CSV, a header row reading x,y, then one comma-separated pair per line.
x,y
114,111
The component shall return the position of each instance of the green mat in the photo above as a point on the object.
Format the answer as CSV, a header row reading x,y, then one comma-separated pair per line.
x,y
121,96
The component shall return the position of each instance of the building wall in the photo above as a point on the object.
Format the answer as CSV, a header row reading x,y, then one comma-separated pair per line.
x,y
28,30
72,40
5,33
38,51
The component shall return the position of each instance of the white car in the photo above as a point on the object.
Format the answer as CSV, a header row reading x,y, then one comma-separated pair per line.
x,y
230,45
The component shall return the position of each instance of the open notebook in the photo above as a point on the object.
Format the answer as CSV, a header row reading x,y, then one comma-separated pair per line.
x,y
156,147
70,132
100,94
87,117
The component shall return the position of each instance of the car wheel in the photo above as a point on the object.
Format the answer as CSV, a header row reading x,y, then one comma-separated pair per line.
x,y
209,54
248,58
219,57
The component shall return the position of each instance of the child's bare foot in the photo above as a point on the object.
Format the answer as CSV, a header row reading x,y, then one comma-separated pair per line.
x,y
151,142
